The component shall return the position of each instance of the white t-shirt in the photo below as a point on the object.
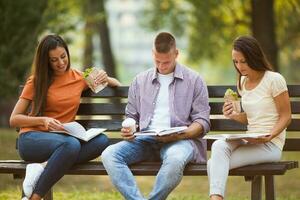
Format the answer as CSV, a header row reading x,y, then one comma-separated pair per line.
x,y
161,116
259,105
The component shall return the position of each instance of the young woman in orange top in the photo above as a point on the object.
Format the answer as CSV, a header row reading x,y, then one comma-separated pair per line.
x,y
53,91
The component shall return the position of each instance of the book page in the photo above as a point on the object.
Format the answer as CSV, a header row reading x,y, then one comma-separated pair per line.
x,y
235,136
152,131
91,133
179,129
77,130
161,132
74,128
244,135
214,137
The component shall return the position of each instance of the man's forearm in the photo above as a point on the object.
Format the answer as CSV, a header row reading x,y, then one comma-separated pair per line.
x,y
193,131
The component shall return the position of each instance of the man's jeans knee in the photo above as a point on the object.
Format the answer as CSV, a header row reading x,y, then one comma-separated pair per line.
x,y
174,156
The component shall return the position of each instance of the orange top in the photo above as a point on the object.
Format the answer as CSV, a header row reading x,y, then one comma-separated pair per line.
x,y
63,97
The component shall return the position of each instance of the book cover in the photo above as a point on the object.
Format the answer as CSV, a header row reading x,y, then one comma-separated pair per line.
x,y
162,132
228,137
77,130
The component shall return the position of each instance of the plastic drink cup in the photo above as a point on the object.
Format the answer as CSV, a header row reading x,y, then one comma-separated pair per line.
x,y
129,123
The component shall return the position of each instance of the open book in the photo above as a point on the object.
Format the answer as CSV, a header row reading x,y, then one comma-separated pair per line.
x,y
77,130
162,132
235,136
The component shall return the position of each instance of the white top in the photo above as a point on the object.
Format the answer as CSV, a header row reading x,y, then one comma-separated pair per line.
x,y
161,115
259,105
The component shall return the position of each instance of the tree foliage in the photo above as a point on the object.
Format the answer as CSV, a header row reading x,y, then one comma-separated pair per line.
x,y
22,22
288,35
20,25
211,26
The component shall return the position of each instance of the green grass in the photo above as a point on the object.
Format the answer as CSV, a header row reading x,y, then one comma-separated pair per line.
x,y
99,187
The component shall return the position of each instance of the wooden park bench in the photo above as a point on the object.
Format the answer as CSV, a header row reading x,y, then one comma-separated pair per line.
x,y
106,110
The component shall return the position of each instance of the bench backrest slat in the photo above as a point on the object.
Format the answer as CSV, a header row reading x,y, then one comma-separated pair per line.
x,y
215,91
108,92
218,91
119,108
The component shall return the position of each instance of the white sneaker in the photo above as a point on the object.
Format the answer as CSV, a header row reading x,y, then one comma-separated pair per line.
x,y
33,173
23,196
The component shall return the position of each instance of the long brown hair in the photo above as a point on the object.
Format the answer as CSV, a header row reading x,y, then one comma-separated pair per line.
x,y
253,53
43,72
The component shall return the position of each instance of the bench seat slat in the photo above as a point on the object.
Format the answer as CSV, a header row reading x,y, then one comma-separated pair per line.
x,y
151,168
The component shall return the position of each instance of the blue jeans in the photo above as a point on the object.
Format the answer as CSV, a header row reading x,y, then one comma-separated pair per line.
x,y
174,156
61,152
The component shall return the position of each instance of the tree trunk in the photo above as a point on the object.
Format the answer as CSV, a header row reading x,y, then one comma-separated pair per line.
x,y
88,46
89,30
263,28
106,50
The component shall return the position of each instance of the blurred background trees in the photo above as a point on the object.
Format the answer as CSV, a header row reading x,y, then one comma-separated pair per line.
x,y
20,24
212,25
95,17
118,34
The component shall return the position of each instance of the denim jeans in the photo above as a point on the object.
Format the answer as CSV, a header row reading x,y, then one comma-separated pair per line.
x,y
174,156
61,152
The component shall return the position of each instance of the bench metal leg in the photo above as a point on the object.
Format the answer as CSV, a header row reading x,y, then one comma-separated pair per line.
x,y
49,195
269,187
256,186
